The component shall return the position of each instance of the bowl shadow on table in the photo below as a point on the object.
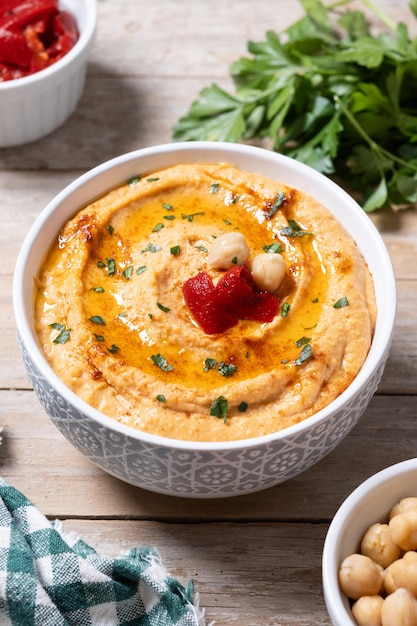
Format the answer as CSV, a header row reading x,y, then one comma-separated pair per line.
x,y
108,121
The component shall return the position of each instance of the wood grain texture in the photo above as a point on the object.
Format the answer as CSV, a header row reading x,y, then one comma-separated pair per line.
x,y
256,559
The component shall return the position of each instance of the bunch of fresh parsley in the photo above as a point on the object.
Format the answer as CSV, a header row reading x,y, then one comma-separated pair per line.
x,y
329,93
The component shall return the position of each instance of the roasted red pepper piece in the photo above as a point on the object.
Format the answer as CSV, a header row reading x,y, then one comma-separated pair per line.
x,y
238,292
13,48
235,297
202,299
33,35
26,12
65,35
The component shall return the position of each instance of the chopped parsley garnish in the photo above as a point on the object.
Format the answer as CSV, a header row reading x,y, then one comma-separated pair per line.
x,y
152,179
225,369
242,406
98,289
342,302
167,207
134,180
294,230
277,203
128,272
175,249
273,248
219,408
101,264
160,398
169,217
201,248
209,364
99,337
163,308
191,216
110,229
157,227
141,269
152,247
97,319
113,348
228,222
303,341
214,187
315,300
285,309
64,334
305,354
111,267
161,362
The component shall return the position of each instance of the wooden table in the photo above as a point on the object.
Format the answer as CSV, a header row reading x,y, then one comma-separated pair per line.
x,y
256,559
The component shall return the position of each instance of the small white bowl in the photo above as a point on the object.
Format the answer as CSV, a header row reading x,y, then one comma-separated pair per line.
x,y
185,468
369,503
33,106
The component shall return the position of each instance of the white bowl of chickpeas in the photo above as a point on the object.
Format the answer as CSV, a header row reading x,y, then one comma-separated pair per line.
x,y
370,552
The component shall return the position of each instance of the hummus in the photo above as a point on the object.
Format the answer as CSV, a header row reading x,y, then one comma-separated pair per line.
x,y
112,321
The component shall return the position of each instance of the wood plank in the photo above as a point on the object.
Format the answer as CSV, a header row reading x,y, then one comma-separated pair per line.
x,y
36,459
256,560
245,574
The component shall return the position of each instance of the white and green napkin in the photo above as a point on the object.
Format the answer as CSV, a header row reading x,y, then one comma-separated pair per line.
x,y
51,578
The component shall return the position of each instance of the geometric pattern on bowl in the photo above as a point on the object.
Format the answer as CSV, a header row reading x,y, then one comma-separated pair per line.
x,y
198,473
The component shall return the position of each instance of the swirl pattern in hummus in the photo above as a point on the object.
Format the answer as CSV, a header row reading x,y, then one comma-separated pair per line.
x,y
112,284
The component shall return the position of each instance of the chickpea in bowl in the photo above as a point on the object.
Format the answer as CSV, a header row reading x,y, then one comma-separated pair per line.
x,y
370,552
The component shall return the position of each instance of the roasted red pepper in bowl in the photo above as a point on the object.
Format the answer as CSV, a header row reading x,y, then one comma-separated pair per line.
x,y
217,308
34,34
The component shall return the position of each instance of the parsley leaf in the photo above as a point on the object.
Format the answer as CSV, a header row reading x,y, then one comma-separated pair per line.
x,y
305,354
161,362
97,319
327,92
64,334
341,303
219,408
273,248
227,369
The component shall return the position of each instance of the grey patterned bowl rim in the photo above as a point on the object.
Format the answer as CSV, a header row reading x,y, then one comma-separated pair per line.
x,y
213,151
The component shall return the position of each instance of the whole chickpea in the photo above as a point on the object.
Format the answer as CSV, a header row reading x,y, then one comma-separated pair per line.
x,y
404,505
377,543
399,609
403,529
367,610
389,584
268,271
360,576
228,250
402,574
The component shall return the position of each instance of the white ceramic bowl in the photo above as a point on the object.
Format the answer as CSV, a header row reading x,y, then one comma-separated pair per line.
x,y
371,502
187,468
33,106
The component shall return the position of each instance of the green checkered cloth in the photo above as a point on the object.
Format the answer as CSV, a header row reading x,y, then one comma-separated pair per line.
x,y
51,578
